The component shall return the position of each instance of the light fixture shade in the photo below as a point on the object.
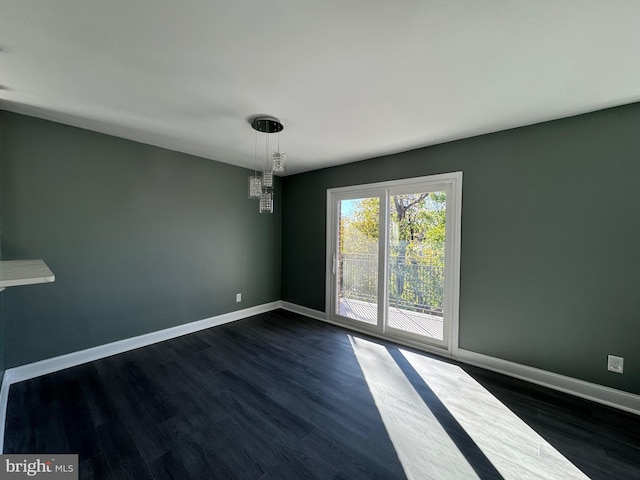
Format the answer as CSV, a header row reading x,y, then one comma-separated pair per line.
x,y
278,162
266,202
262,187
267,178
255,186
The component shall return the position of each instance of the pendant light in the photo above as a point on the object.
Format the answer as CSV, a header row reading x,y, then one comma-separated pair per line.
x,y
255,181
279,159
262,187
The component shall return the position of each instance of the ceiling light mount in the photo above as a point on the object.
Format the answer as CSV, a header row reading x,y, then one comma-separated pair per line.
x,y
267,124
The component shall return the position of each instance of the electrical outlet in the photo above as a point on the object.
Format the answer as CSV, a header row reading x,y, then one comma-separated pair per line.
x,y
615,364
238,297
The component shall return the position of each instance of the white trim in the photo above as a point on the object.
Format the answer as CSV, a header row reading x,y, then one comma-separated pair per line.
x,y
49,365
307,312
454,277
4,400
330,255
611,397
54,364
451,183
591,391
383,265
437,178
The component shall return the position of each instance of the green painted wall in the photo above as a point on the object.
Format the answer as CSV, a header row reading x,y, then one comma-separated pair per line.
x,y
550,260
139,238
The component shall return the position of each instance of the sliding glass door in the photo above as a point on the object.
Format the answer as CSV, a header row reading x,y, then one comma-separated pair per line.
x,y
392,258
357,259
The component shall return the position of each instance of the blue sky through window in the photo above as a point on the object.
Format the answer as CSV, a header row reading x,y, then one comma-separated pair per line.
x,y
348,207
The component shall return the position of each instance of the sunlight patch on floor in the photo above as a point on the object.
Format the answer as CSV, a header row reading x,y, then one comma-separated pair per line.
x,y
421,443
513,447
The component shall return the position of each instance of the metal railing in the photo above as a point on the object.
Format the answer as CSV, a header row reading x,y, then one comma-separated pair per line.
x,y
413,285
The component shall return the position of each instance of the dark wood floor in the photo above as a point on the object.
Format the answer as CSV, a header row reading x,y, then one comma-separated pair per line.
x,y
278,396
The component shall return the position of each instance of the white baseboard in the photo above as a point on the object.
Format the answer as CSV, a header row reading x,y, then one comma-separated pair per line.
x,y
54,364
579,388
307,312
591,391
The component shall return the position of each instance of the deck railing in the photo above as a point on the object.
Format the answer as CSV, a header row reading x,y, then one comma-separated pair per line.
x,y
413,285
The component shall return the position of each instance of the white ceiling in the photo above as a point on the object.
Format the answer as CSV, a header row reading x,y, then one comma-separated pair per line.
x,y
349,79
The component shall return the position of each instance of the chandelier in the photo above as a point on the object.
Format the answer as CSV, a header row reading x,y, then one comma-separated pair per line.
x,y
261,186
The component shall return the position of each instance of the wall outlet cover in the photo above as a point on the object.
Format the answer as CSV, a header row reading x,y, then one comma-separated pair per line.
x,y
615,364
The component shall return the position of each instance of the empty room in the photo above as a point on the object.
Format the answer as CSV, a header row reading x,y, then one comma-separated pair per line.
x,y
319,240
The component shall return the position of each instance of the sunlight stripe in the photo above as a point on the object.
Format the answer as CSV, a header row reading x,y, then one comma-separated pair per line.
x,y
512,446
422,445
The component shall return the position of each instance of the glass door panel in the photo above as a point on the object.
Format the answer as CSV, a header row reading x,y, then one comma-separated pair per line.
x,y
416,258
393,256
357,259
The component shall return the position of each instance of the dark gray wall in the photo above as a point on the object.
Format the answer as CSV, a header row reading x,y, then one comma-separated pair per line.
x,y
550,262
2,315
139,238
2,337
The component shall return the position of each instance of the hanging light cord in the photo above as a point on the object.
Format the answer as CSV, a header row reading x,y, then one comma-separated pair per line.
x,y
266,158
255,154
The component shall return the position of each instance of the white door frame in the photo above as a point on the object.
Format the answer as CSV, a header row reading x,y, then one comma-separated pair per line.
x,y
452,184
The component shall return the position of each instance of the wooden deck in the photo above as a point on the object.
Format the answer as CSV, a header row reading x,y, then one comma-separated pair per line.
x,y
413,322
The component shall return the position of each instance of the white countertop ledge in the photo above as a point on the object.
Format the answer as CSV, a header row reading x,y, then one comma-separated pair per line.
x,y
24,272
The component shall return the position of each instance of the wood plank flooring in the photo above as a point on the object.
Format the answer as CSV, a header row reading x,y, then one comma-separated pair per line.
x,y
280,396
